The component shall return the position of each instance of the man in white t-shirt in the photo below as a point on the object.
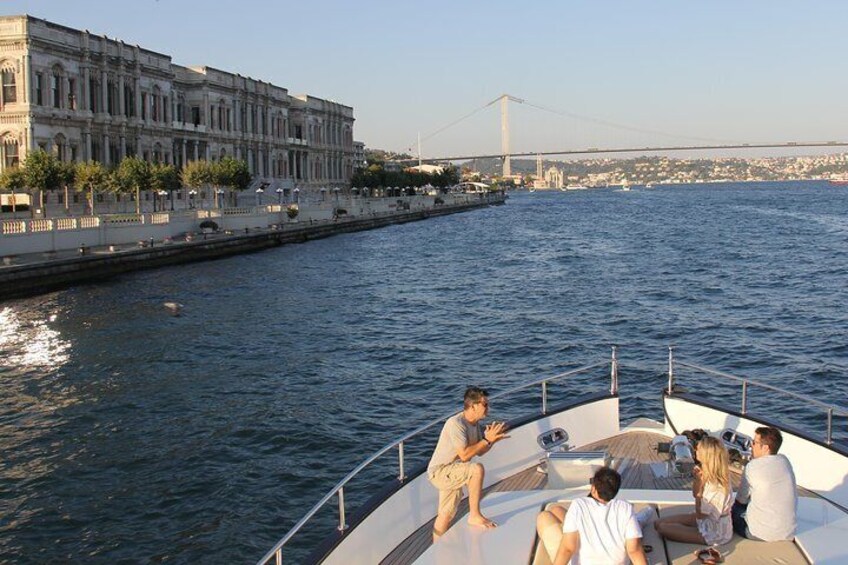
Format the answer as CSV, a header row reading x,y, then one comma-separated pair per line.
x,y
767,500
596,529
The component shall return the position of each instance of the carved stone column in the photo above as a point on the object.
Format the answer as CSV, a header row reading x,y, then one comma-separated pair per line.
x,y
122,103
85,103
27,79
107,158
104,90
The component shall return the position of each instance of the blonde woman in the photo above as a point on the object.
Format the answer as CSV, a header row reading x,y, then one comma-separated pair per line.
x,y
710,524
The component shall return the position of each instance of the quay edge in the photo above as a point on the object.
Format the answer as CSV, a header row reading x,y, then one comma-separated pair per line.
x,y
20,281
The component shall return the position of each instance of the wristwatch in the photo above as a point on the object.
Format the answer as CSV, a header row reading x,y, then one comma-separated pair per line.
x,y
487,441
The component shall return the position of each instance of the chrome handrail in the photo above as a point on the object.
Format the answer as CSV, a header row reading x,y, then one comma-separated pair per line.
x,y
830,409
276,551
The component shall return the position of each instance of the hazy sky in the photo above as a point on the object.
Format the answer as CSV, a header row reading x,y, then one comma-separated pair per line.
x,y
663,72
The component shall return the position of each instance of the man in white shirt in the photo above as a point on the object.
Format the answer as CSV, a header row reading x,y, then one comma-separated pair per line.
x,y
451,467
596,529
767,500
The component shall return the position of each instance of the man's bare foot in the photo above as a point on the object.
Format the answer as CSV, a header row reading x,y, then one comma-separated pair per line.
x,y
481,521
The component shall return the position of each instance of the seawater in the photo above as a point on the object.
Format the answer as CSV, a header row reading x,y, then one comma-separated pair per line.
x,y
130,434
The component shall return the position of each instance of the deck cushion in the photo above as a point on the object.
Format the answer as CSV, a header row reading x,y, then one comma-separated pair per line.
x,y
738,550
649,537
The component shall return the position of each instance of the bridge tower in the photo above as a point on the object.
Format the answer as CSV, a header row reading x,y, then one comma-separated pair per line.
x,y
505,98
507,168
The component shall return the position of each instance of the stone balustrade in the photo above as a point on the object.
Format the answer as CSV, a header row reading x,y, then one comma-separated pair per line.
x,y
20,236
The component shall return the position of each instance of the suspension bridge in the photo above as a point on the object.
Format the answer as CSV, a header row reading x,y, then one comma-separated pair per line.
x,y
506,154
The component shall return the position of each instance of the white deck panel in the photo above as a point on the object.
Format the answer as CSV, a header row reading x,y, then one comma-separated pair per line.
x,y
511,542
822,532
822,527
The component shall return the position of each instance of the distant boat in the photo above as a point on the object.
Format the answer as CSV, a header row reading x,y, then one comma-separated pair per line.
x,y
576,187
649,185
625,186
839,180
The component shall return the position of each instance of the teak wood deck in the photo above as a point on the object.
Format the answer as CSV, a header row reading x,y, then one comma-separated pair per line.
x,y
632,454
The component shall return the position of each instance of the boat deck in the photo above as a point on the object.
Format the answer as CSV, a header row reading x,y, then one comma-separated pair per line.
x,y
633,454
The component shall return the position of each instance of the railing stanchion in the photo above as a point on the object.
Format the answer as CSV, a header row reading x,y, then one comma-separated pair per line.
x,y
342,523
402,474
614,372
670,369
830,425
744,397
275,554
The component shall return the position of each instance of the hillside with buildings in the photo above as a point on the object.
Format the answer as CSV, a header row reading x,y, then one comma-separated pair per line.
x,y
642,170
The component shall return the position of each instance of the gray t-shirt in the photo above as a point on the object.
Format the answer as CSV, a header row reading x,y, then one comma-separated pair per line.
x,y
456,434
768,486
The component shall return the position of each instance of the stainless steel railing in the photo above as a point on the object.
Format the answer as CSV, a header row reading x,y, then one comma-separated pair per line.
x,y
830,409
338,490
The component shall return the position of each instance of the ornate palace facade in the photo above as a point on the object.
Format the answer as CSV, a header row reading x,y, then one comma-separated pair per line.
x,y
87,97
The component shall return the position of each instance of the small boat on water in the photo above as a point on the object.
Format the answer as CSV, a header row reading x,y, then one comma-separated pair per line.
x,y
625,186
840,180
649,185
571,435
576,187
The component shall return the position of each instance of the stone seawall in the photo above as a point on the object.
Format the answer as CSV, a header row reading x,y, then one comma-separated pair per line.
x,y
52,274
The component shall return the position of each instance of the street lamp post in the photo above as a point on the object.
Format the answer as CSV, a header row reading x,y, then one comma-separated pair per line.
x,y
259,192
162,194
296,195
220,197
191,194
279,192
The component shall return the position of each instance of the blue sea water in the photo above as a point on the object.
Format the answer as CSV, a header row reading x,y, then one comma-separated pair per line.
x,y
127,434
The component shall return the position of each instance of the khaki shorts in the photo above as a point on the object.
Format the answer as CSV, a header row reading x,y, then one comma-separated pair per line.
x,y
450,479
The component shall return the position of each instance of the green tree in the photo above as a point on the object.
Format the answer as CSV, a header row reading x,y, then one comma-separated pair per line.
x,y
65,176
11,180
40,173
196,174
89,176
231,173
133,174
164,178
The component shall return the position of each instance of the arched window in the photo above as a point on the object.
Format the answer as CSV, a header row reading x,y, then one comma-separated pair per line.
x,y
56,78
9,147
8,92
157,96
8,86
60,147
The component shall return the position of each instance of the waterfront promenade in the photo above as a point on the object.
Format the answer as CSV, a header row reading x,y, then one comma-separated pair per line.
x,y
45,254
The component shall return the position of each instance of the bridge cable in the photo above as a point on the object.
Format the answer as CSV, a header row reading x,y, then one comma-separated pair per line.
x,y
453,123
621,126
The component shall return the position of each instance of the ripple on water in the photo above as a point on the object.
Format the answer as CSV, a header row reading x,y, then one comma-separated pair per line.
x,y
128,434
